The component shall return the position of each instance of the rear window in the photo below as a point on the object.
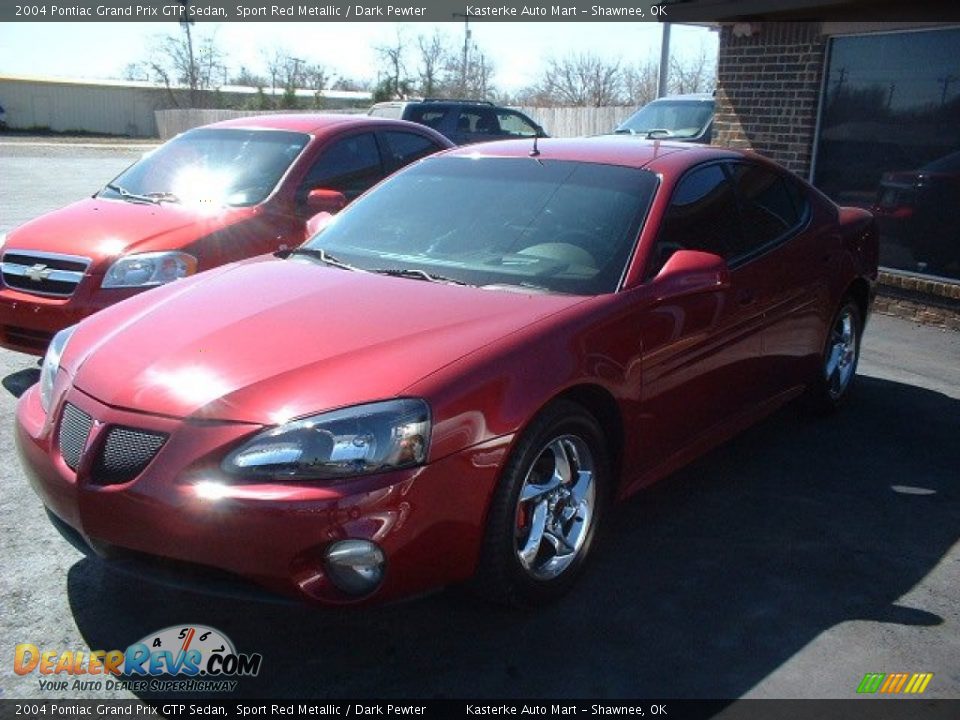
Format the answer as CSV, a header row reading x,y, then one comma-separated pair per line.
x,y
555,226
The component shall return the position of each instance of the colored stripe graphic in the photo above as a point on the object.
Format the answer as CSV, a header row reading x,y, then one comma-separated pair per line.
x,y
919,682
870,683
894,683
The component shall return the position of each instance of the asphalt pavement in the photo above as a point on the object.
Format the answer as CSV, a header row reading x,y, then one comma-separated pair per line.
x,y
787,563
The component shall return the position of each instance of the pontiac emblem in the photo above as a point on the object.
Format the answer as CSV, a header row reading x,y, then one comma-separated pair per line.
x,y
39,272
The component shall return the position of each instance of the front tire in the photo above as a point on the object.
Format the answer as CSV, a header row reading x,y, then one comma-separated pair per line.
x,y
546,509
838,365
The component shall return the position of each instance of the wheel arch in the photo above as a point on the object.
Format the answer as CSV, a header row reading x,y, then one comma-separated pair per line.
x,y
859,290
600,403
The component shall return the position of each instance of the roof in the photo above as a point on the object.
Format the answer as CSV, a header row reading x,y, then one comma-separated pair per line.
x,y
689,97
605,149
297,122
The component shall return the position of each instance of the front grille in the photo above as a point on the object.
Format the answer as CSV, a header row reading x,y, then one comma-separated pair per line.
x,y
75,427
124,455
43,273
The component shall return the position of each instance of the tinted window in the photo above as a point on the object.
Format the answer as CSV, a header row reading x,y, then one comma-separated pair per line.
x,y
219,167
559,226
350,166
405,147
767,205
703,215
478,121
512,123
429,116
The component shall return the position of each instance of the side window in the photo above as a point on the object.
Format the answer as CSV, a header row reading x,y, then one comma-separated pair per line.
x,y
702,215
512,123
768,206
478,122
350,165
405,147
431,117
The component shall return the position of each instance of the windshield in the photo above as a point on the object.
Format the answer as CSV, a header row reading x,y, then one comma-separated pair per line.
x,y
213,167
678,117
554,226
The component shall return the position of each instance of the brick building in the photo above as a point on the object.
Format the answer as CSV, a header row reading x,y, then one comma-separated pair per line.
x,y
869,112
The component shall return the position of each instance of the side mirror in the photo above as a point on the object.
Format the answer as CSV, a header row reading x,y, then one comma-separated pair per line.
x,y
689,272
328,201
317,223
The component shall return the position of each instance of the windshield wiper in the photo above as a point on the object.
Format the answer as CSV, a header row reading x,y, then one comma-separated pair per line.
x,y
417,274
164,196
319,254
624,131
132,197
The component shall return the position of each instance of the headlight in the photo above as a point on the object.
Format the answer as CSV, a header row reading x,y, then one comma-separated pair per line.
x,y
51,364
353,441
148,269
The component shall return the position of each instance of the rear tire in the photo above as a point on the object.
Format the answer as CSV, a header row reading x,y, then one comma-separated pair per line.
x,y
838,363
546,509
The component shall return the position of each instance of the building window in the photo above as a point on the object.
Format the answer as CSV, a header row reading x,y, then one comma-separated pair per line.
x,y
890,141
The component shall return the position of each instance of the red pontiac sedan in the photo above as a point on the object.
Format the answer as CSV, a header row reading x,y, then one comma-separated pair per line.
x,y
210,196
454,377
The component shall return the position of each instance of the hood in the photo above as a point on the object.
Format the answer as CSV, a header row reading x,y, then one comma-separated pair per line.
x,y
268,340
101,228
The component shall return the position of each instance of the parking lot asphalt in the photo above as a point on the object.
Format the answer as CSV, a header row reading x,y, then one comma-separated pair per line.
x,y
787,563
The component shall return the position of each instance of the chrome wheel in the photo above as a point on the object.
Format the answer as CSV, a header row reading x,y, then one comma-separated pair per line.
x,y
841,360
555,507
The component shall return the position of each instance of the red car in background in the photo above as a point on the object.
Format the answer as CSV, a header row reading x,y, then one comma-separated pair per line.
x,y
210,196
453,378
918,210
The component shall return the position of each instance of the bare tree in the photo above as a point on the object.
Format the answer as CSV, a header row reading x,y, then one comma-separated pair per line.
x,y
584,79
248,78
640,83
173,62
395,82
290,73
692,75
351,84
136,71
433,61
478,79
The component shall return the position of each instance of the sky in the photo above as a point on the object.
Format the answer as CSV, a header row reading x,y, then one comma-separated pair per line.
x,y
519,50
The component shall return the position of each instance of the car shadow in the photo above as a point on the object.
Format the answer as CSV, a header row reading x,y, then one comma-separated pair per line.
x,y
19,382
701,587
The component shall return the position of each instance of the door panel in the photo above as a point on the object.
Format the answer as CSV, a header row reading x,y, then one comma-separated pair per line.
x,y
702,352
791,256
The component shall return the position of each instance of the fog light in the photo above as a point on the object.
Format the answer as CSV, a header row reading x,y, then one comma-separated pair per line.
x,y
355,566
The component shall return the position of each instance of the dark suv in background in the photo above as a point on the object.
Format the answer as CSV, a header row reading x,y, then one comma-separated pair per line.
x,y
462,121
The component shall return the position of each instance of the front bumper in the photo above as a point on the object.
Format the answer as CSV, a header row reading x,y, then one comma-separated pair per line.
x,y
428,521
28,322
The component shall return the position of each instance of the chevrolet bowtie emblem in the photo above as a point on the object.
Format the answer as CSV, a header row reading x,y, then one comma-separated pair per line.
x,y
39,272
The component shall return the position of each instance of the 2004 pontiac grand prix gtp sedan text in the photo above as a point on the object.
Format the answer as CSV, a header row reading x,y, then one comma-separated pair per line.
x,y
452,379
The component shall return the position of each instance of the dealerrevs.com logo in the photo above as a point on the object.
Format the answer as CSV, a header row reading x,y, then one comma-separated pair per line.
x,y
181,658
